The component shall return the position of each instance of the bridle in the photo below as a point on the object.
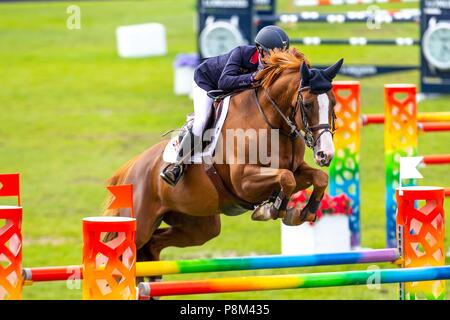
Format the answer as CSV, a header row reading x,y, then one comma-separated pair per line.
x,y
294,131
308,130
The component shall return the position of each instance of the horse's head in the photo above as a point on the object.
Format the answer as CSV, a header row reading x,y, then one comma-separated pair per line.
x,y
316,102
304,98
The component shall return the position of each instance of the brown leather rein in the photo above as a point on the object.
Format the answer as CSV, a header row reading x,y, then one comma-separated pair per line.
x,y
295,132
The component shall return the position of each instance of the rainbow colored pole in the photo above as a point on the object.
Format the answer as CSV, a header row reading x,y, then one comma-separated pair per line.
x,y
423,117
226,264
434,126
60,273
436,159
265,262
344,169
400,140
433,116
277,282
376,118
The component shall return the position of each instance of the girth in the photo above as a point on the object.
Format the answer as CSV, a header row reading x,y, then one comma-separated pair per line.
x,y
229,203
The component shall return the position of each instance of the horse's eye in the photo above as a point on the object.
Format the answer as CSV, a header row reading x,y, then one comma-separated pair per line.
x,y
308,105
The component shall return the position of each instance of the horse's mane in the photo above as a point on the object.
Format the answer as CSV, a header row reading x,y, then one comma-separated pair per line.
x,y
279,61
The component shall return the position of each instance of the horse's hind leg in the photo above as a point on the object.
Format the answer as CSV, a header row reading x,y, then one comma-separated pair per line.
x,y
184,231
144,254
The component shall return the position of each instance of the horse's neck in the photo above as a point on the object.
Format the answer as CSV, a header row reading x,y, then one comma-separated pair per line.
x,y
243,114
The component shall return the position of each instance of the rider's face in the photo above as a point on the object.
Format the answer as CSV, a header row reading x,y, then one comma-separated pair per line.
x,y
262,54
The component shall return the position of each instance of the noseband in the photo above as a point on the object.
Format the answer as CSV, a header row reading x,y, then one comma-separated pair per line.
x,y
294,132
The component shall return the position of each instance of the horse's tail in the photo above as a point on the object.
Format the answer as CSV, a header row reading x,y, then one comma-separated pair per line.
x,y
119,177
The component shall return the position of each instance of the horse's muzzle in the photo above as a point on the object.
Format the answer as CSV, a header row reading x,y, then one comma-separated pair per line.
x,y
324,150
323,159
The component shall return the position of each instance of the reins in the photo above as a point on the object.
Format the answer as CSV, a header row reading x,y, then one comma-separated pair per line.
x,y
294,131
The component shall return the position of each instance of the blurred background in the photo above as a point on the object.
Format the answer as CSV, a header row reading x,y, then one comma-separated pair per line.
x,y
72,110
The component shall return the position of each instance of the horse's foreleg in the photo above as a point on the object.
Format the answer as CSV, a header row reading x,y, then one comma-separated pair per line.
x,y
251,179
306,176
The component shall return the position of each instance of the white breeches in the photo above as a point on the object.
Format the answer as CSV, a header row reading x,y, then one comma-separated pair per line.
x,y
202,109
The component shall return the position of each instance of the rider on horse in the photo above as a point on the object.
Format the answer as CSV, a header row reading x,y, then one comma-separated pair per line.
x,y
228,72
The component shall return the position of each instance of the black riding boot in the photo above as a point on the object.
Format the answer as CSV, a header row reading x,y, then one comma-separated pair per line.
x,y
173,172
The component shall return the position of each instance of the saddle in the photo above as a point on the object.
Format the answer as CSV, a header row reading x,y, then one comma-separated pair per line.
x,y
218,96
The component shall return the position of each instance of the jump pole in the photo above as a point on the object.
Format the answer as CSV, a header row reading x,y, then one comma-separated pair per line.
x,y
304,3
296,281
156,268
411,277
422,117
436,159
434,126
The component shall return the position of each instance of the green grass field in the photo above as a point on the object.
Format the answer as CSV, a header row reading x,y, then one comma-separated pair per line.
x,y
72,111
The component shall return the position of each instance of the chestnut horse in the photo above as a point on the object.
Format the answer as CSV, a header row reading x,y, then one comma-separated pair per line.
x,y
292,98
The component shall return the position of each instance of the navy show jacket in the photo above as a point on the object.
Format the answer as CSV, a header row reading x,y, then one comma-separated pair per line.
x,y
229,71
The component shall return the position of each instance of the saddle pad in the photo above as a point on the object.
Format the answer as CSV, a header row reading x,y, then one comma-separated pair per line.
x,y
172,148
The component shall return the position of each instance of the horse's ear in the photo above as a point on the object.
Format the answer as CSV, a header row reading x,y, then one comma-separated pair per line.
x,y
306,75
333,70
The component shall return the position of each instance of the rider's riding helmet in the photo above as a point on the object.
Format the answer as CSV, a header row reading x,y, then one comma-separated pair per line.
x,y
272,37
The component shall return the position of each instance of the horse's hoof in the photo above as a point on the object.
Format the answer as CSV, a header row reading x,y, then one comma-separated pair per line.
x,y
295,218
262,213
311,217
291,217
307,216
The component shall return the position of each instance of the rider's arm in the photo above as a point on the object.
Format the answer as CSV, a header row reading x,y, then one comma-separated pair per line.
x,y
231,78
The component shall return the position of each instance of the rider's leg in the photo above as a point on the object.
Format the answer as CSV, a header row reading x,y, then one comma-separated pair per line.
x,y
202,109
192,139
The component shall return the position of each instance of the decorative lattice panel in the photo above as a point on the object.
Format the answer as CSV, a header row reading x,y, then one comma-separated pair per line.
x,y
400,140
10,253
344,169
109,267
421,221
